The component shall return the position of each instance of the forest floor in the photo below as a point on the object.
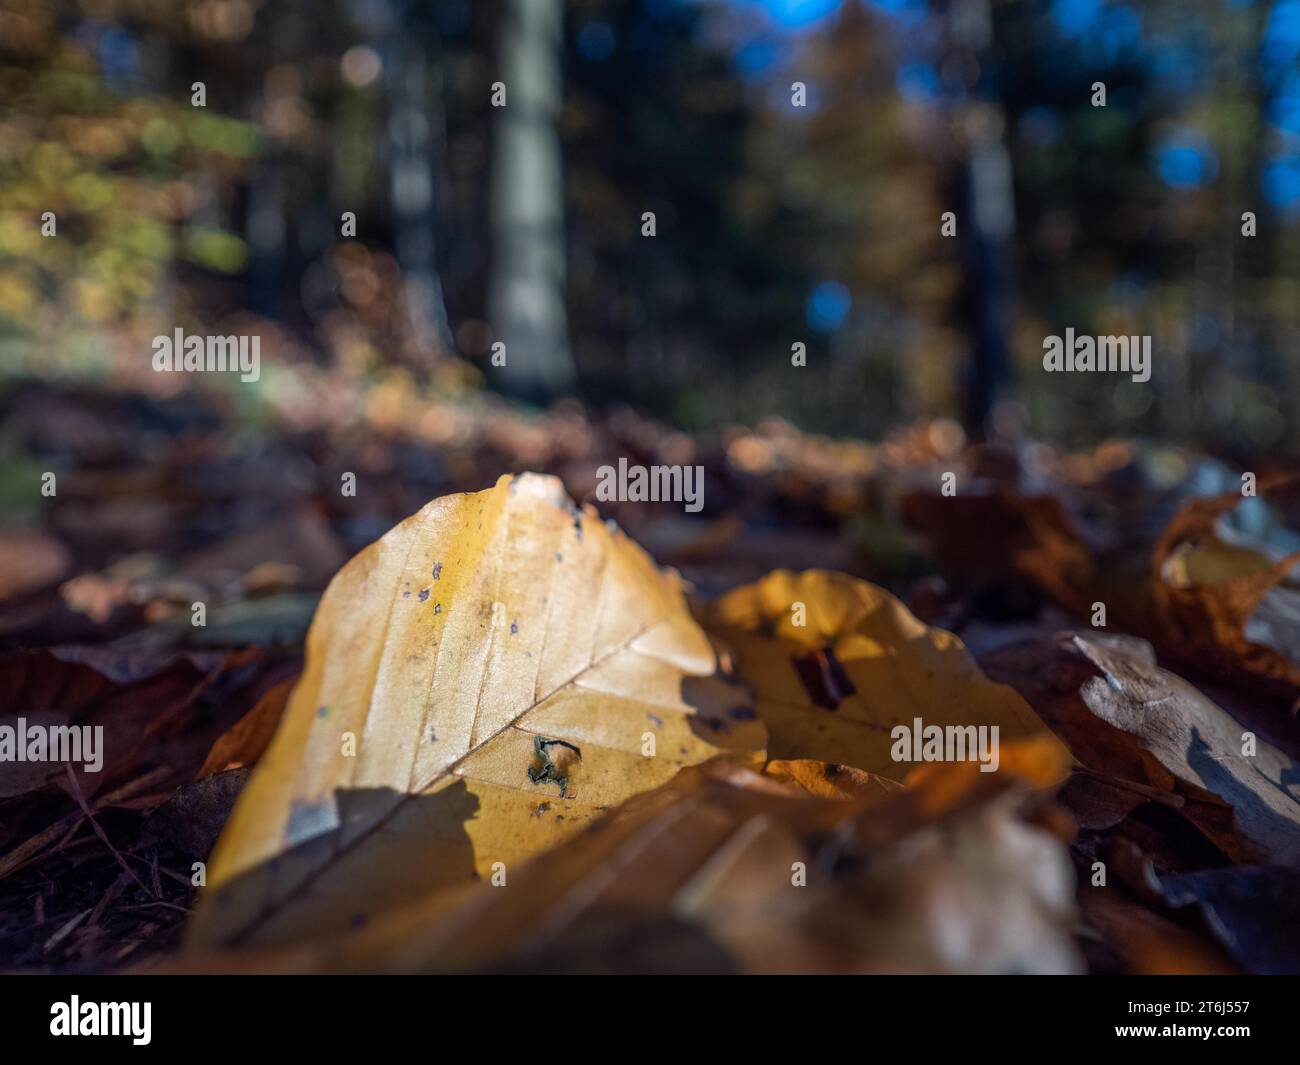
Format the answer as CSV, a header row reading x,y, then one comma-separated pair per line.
x,y
159,505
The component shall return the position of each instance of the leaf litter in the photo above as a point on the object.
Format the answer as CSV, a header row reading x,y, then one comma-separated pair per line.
x,y
1129,753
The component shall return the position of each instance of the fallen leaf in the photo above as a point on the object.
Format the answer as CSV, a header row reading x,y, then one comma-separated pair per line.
x,y
702,874
835,687
985,533
192,819
1202,746
485,679
144,702
828,780
1167,737
159,714
1226,605
248,738
1047,670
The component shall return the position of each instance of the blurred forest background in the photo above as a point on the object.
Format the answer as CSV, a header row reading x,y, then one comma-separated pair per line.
x,y
775,223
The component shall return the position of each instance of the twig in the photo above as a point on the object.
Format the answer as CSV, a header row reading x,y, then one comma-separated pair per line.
x,y
1154,794
81,801
27,851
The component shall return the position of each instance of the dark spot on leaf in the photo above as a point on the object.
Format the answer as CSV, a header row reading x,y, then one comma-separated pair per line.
x,y
424,594
514,628
548,771
824,678
437,571
437,608
322,711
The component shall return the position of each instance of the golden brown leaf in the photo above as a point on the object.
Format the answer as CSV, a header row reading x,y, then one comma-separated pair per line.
x,y
835,687
827,780
489,676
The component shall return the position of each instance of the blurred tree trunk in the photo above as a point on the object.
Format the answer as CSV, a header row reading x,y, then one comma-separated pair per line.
x,y
414,135
1271,315
986,212
526,286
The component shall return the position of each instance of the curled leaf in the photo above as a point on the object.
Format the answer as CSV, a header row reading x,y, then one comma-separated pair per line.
x,y
1257,812
1145,734
1226,605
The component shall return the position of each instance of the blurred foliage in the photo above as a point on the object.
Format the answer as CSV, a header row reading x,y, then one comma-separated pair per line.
x,y
776,224
118,169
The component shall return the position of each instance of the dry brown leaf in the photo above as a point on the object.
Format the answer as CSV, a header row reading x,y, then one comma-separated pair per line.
x,y
248,738
144,701
701,875
1118,776
984,534
827,780
834,687
1147,734
1204,748
1208,594
447,652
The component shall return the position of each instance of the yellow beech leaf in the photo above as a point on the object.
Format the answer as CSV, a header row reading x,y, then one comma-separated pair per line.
x,y
837,665
488,677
